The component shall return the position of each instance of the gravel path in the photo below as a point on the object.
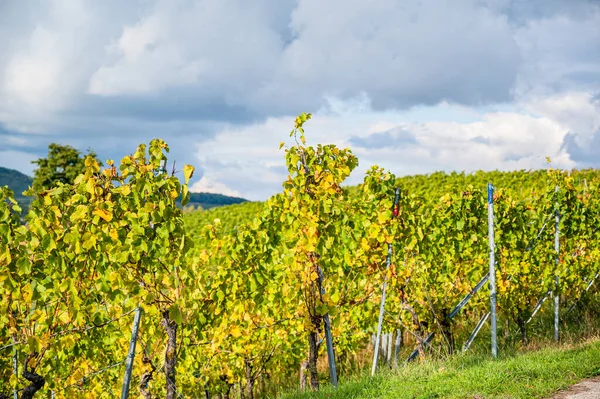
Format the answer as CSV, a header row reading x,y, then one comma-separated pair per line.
x,y
587,389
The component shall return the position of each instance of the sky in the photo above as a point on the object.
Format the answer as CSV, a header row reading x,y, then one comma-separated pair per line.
x,y
412,86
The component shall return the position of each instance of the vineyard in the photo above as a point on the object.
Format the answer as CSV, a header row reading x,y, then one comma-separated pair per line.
x,y
110,290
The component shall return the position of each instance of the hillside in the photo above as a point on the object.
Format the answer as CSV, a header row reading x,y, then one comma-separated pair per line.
x,y
429,187
210,200
15,180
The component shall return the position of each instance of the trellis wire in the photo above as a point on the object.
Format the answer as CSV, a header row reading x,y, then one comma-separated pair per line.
x,y
87,376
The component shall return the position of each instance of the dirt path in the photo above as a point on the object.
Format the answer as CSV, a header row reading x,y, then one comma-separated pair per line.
x,y
587,389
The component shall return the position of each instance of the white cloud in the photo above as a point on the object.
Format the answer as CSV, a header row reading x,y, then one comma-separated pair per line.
x,y
577,112
247,158
207,185
477,83
224,49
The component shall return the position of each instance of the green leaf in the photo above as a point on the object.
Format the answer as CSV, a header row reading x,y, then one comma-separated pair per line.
x,y
175,314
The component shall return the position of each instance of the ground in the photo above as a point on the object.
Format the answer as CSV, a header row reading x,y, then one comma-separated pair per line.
x,y
587,389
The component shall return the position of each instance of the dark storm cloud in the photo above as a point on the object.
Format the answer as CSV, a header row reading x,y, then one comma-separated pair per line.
x,y
587,156
183,105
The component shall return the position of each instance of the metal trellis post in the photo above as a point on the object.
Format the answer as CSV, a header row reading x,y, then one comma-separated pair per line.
x,y
557,249
15,370
131,354
388,261
492,270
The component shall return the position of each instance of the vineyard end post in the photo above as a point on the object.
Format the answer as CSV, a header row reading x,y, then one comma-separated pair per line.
x,y
492,270
557,249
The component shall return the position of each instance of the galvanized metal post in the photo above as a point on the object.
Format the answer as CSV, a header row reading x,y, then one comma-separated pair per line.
x,y
425,343
15,368
557,249
131,354
397,346
539,305
388,261
389,349
328,336
492,270
473,335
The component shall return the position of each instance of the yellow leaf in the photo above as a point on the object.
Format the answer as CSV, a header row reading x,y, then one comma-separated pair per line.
x,y
126,189
113,234
64,317
104,214
89,187
235,331
188,172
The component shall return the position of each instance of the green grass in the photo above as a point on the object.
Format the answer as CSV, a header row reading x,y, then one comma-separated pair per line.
x,y
536,374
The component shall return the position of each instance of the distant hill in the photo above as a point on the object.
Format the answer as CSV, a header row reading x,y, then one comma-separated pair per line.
x,y
209,200
19,182
15,180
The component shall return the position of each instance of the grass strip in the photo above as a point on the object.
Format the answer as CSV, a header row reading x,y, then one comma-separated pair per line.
x,y
536,374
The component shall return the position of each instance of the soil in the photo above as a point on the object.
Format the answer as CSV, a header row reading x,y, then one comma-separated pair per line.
x,y
586,389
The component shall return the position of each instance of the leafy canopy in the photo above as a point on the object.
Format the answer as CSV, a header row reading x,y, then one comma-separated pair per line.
x,y
62,164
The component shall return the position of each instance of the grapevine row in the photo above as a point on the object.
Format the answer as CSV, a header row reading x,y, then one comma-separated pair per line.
x,y
244,306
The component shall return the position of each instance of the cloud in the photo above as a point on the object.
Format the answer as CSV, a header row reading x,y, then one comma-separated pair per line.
x,y
225,50
275,62
430,76
274,58
397,53
577,112
561,52
246,157
207,185
397,136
